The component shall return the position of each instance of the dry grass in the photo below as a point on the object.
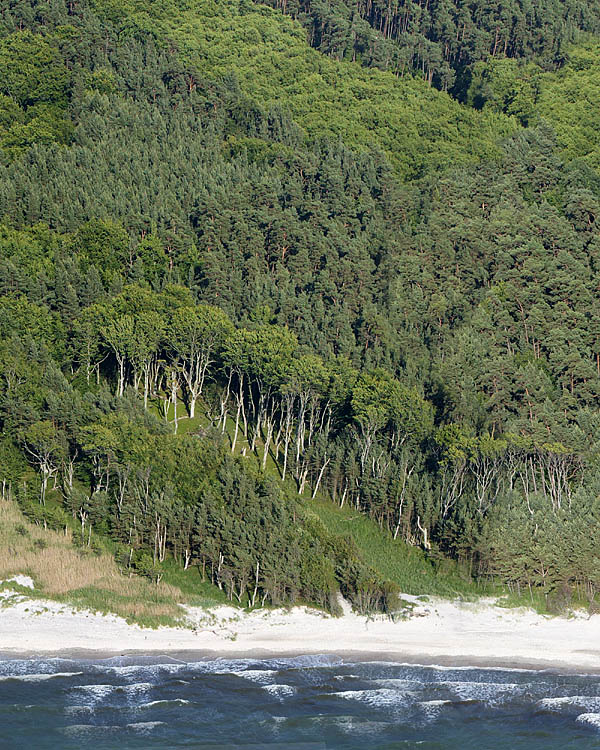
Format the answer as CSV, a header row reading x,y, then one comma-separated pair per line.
x,y
62,571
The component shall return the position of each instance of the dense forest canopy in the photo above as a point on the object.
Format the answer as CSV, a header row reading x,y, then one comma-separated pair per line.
x,y
236,273
440,39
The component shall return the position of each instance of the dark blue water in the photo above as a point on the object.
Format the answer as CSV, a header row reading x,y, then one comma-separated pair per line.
x,y
306,703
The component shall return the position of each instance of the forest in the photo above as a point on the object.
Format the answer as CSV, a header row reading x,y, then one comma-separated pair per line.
x,y
252,256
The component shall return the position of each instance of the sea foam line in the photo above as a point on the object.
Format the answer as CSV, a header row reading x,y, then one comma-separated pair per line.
x,y
38,677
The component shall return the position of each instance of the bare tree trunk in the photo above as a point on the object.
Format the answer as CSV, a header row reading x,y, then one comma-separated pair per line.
x,y
402,497
423,530
268,438
255,592
223,401
174,388
237,426
344,493
302,480
318,482
121,383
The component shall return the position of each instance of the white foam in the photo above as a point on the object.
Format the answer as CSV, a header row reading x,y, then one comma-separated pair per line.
x,y
86,729
432,710
308,661
351,725
95,693
589,702
280,691
39,677
488,692
75,710
377,698
135,670
136,687
402,692
77,730
461,668
166,702
145,726
591,719
218,666
260,676
398,682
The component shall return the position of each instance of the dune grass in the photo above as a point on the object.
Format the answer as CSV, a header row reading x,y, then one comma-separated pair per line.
x,y
91,579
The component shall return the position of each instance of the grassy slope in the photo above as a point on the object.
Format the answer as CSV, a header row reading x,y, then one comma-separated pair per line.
x,y
91,579
394,559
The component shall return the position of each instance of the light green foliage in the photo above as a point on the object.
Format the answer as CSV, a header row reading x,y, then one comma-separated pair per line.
x,y
506,85
196,334
403,564
569,101
33,71
418,127
103,244
379,400
20,316
34,92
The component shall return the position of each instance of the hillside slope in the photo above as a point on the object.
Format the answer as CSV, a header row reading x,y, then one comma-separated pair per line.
x,y
238,276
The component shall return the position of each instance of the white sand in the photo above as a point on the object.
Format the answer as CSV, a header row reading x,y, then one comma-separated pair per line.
x,y
439,631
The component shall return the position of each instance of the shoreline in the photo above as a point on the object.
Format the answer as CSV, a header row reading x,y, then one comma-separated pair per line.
x,y
438,633
441,662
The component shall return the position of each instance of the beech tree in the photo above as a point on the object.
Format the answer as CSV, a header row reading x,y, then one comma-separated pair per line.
x,y
45,446
195,335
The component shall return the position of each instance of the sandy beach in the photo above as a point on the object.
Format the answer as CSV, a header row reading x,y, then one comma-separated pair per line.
x,y
438,631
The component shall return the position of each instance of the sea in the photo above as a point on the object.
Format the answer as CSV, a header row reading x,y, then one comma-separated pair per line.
x,y
303,703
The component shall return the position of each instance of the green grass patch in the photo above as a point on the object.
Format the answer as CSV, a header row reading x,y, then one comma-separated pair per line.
x,y
153,612
550,603
197,592
394,559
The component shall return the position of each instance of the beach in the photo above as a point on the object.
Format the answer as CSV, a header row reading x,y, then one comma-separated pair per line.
x,y
437,631
464,674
